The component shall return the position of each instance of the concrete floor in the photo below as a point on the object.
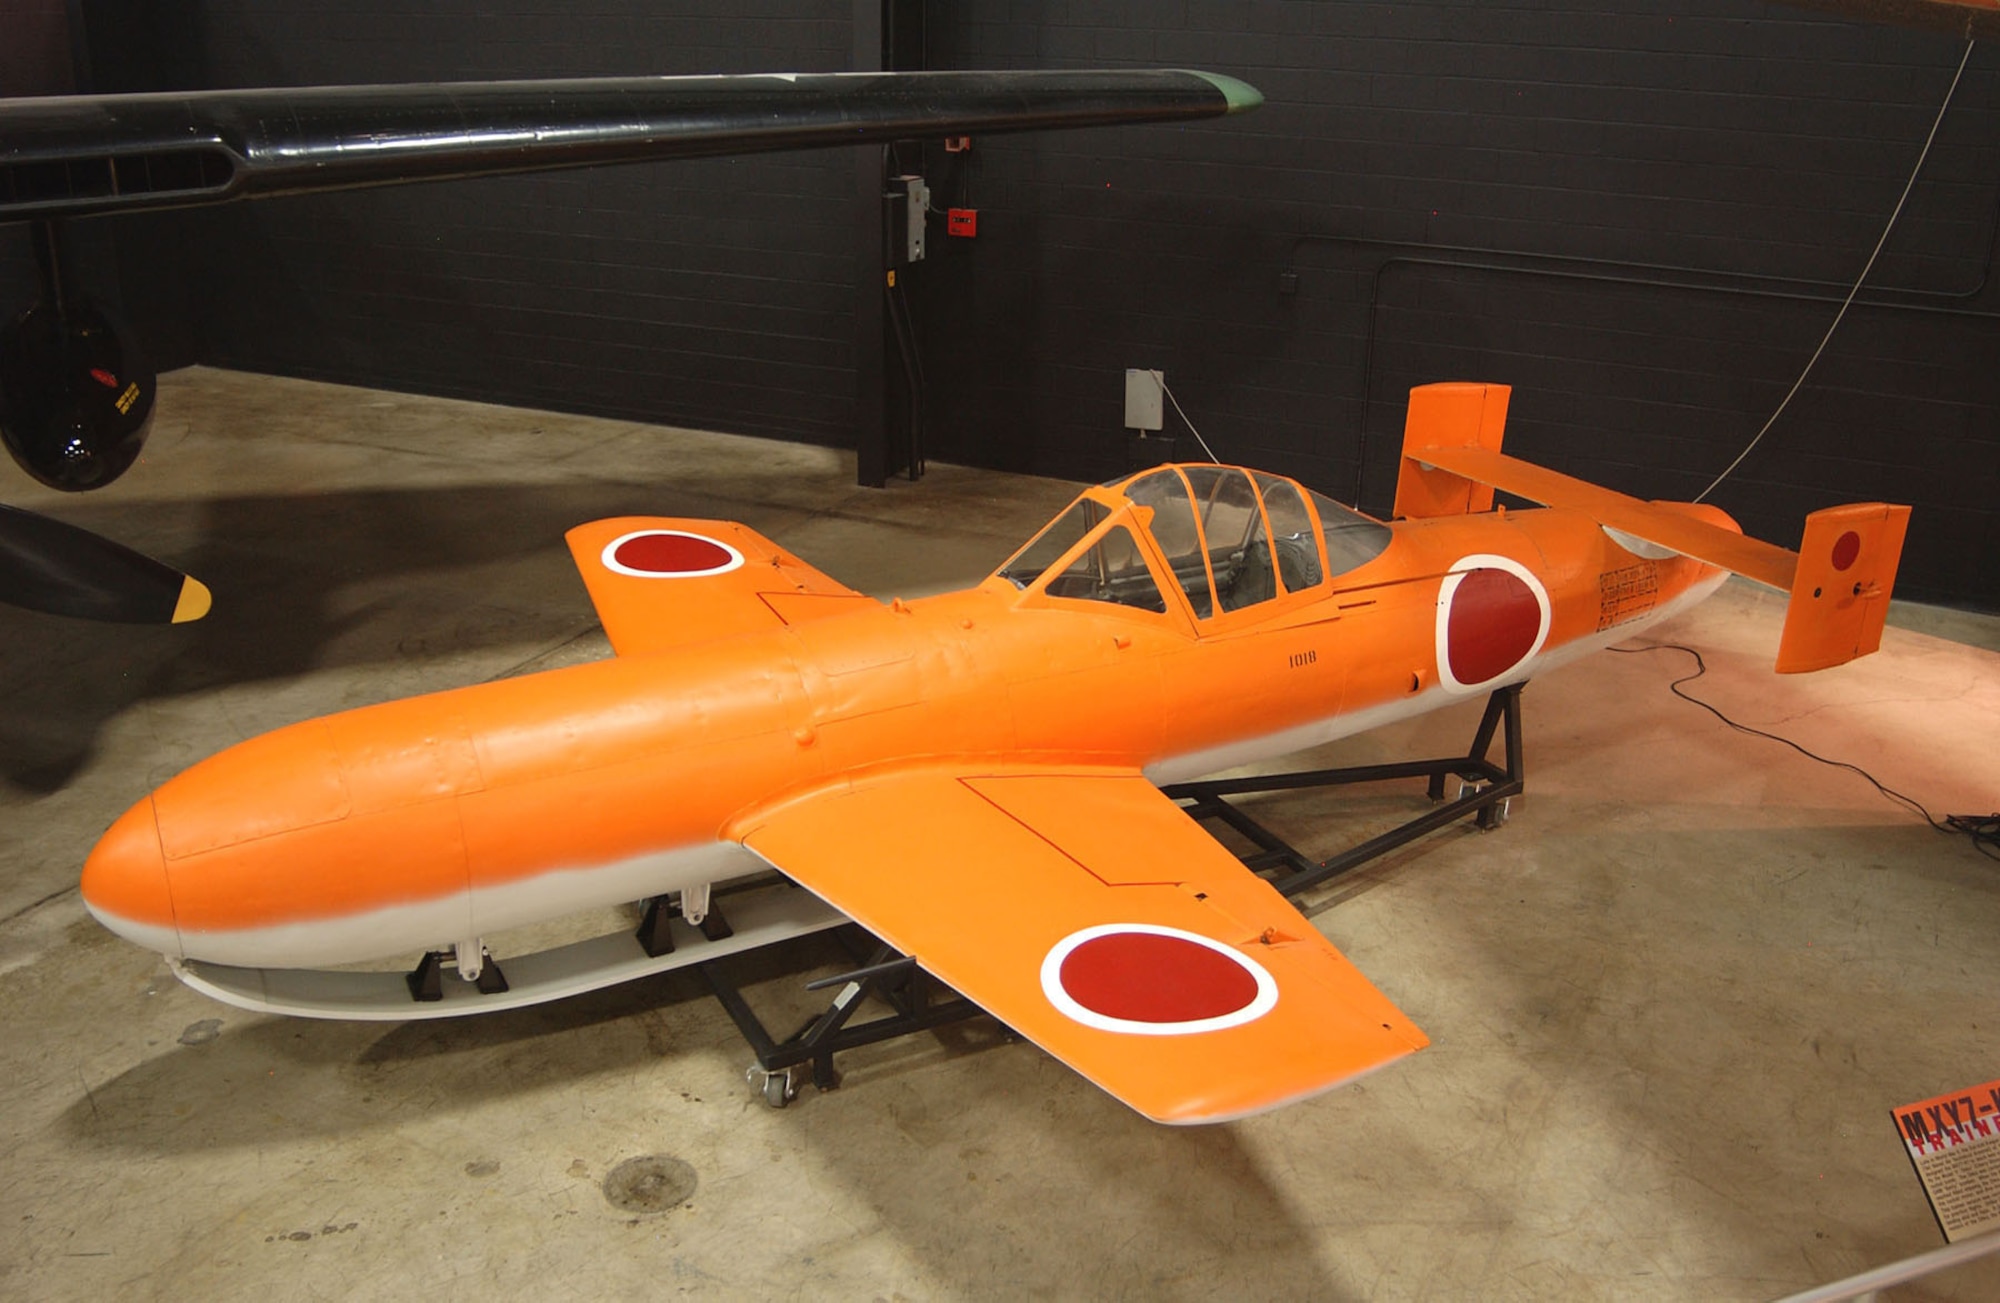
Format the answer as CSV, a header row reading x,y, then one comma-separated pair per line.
x,y
1672,1002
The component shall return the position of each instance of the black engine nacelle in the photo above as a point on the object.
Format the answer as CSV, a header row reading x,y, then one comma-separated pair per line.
x,y
75,396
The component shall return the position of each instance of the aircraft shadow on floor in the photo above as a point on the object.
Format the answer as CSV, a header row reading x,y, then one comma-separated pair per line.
x,y
390,577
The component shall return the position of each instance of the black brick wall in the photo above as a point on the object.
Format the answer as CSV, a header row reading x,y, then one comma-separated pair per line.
x,y
715,293
1640,215
17,271
34,60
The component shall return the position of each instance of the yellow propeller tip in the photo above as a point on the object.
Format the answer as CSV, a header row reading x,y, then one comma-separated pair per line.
x,y
195,599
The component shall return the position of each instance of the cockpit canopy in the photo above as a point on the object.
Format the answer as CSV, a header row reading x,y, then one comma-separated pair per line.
x,y
1223,537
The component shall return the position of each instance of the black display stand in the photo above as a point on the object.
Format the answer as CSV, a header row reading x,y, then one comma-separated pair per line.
x,y
917,1002
1485,794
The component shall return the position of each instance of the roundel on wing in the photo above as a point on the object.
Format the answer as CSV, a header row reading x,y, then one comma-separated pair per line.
x,y
669,554
1493,615
1146,980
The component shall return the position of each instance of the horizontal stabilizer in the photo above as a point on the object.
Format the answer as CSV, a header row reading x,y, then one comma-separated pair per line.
x,y
1839,580
1670,526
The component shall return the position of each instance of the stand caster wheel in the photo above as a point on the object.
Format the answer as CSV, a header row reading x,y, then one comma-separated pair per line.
x,y
1493,816
776,1087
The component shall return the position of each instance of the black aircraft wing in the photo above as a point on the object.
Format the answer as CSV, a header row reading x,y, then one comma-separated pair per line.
x,y
73,402
70,156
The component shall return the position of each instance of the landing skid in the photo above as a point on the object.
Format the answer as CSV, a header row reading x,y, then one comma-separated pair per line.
x,y
758,917
1485,795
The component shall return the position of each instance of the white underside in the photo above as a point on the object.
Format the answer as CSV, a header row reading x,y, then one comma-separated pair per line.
x,y
433,924
760,917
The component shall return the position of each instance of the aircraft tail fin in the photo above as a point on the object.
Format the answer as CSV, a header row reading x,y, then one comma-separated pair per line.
x,y
1839,579
1453,415
1840,596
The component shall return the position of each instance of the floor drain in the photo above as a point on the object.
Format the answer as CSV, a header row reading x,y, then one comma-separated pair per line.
x,y
651,1184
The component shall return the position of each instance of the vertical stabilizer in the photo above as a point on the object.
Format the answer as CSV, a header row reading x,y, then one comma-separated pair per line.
x,y
1847,565
1456,415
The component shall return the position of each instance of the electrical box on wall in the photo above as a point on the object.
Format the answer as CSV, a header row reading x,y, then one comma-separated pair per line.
x,y
910,202
1143,410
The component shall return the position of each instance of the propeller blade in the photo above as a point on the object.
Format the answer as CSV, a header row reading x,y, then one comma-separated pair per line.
x,y
59,569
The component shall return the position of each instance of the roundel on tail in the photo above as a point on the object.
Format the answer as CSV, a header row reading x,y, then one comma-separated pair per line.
x,y
1147,980
1492,617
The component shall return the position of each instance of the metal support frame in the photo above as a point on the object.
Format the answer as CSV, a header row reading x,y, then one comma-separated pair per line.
x,y
1487,790
893,978
887,36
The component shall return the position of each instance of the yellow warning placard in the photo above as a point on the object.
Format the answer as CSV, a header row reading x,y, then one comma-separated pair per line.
x,y
1954,1143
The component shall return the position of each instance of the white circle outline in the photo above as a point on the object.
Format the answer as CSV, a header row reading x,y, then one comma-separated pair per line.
x,y
1066,1004
1456,576
610,553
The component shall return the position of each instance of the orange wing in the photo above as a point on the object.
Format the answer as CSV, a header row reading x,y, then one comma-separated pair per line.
x,y
1089,913
659,583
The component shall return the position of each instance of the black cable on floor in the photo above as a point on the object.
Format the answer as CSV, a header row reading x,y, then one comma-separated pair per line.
x,y
1983,830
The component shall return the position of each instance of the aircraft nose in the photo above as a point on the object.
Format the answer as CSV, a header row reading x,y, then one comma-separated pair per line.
x,y
125,882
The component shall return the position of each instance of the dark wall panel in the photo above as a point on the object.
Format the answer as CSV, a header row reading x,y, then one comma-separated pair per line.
x,y
18,278
35,48
713,293
34,60
1643,217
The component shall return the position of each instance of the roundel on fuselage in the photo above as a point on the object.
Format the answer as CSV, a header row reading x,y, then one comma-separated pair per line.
x,y
1492,617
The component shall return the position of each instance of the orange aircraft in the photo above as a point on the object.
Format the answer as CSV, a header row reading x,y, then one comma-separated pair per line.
x,y
972,777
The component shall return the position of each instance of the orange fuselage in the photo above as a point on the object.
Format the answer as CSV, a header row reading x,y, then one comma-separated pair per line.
x,y
421,823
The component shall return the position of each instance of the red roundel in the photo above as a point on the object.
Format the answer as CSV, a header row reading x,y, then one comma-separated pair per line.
x,y
671,554
1495,621
1147,977
1845,549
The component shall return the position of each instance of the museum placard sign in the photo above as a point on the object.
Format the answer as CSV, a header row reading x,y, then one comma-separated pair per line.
x,y
1954,1143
